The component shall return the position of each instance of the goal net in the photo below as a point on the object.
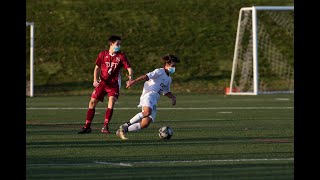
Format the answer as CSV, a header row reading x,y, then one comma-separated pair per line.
x,y
29,57
263,61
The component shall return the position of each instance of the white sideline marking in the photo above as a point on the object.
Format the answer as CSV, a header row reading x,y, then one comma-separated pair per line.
x,y
282,99
75,108
171,120
112,163
158,162
199,161
225,112
60,164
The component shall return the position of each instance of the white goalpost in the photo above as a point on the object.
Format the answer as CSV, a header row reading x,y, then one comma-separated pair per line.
x,y
29,87
263,61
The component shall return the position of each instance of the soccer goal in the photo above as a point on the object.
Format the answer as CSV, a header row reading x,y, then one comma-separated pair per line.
x,y
29,81
263,61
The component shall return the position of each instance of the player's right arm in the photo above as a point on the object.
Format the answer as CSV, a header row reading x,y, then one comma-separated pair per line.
x,y
132,82
96,75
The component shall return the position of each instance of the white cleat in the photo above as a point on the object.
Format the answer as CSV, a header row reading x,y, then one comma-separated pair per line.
x,y
124,127
120,133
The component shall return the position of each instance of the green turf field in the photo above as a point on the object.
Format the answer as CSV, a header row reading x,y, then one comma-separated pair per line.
x,y
215,137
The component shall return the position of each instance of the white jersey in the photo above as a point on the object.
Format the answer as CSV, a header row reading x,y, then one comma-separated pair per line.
x,y
159,82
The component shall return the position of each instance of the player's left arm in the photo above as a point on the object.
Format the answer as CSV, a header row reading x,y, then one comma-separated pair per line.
x,y
127,66
172,97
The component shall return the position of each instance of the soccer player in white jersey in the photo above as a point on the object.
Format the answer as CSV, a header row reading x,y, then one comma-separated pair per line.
x,y
156,83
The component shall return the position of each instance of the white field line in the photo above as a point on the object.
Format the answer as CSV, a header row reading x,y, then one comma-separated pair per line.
x,y
159,162
282,99
171,120
186,108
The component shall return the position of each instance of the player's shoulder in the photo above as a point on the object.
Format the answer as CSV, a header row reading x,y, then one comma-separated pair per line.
x,y
159,70
103,52
155,71
121,53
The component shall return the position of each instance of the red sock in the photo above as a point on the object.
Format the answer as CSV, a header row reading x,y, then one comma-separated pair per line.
x,y
108,116
90,115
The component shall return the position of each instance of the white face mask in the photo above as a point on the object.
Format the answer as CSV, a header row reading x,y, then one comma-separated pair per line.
x,y
171,70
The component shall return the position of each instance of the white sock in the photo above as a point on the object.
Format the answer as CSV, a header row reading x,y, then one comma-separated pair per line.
x,y
134,127
136,118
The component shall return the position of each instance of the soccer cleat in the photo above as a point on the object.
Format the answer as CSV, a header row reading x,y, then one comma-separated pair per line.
x,y
124,127
121,134
84,130
105,130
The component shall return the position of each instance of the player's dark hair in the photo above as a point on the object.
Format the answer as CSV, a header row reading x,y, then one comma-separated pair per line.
x,y
114,38
170,58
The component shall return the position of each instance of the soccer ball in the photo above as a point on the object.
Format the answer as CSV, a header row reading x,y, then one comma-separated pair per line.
x,y
165,132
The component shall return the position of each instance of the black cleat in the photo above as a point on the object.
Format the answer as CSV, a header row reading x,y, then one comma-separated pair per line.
x,y
84,130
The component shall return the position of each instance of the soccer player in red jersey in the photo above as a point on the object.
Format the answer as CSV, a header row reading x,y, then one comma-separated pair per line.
x,y
107,81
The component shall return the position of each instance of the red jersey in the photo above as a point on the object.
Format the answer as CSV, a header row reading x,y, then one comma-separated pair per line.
x,y
110,65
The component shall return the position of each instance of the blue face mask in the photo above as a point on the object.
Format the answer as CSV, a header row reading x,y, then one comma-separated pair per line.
x,y
171,70
116,49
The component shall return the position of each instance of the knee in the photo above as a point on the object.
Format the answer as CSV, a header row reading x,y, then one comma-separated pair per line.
x,y
146,113
92,103
145,122
144,126
112,101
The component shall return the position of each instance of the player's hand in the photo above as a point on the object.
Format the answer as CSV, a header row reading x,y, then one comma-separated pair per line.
x,y
129,83
96,83
173,100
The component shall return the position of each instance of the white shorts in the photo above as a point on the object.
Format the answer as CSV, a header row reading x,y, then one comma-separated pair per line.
x,y
150,100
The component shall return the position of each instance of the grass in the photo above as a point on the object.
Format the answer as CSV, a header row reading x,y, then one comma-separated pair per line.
x,y
227,137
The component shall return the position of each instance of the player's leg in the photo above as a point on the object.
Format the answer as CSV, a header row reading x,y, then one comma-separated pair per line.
x,y
146,101
108,114
149,116
89,117
96,96
146,111
113,95
146,121
137,118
